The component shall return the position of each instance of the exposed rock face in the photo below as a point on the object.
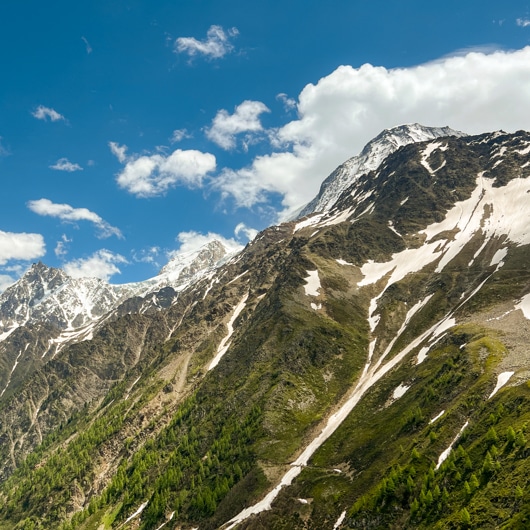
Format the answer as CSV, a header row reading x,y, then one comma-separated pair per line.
x,y
355,350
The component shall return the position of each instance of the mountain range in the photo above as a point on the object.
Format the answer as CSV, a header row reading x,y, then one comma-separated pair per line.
x,y
364,365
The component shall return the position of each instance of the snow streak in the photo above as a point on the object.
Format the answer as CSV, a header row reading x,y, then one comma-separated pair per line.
x,y
224,345
445,454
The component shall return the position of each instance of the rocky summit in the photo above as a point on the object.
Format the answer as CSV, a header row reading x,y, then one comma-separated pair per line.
x,y
365,365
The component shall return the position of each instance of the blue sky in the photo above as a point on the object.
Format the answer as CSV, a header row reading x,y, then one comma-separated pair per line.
x,y
132,130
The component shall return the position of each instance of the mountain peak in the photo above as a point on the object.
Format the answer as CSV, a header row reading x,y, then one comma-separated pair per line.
x,y
369,159
184,266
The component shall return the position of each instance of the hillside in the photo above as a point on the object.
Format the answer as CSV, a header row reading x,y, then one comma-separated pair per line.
x,y
365,366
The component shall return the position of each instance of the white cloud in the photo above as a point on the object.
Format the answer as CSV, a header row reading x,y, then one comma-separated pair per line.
x,y
63,164
288,103
244,119
43,113
87,45
216,45
248,232
148,255
152,175
179,135
67,213
119,151
474,93
102,264
192,241
20,246
60,247
523,22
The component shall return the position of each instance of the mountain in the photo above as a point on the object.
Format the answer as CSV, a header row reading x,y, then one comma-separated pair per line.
x,y
46,310
361,367
369,159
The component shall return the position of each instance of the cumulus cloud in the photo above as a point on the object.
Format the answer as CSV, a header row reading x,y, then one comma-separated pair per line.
x,y
216,45
192,241
63,164
148,255
20,246
119,151
102,264
474,93
45,113
153,175
246,231
60,248
226,126
523,22
68,213
288,103
179,135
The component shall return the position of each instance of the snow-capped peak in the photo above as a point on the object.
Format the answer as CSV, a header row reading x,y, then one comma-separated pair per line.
x,y
69,304
187,264
369,159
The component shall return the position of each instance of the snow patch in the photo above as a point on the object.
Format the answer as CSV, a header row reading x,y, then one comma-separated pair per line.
x,y
312,283
316,307
225,344
373,318
136,513
339,218
523,151
311,221
391,226
399,391
502,379
427,153
524,306
340,520
445,454
437,417
499,256
13,369
6,334
437,336
266,503
342,262
500,151
237,277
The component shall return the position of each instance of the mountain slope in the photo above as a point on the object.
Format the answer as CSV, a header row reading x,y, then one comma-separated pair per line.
x,y
363,367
